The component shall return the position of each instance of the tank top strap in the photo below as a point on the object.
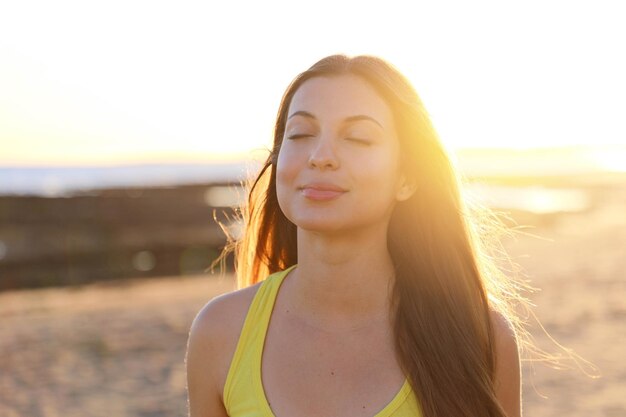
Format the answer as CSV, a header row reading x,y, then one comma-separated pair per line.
x,y
252,337
243,394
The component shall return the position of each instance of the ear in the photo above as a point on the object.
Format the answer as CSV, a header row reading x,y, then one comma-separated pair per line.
x,y
405,189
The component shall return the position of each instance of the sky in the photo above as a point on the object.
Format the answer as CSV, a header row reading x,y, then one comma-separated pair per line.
x,y
89,82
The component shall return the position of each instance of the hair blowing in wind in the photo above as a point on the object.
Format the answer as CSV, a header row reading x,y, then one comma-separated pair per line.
x,y
447,281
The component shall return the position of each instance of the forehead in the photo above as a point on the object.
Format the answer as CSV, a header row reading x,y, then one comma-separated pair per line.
x,y
338,97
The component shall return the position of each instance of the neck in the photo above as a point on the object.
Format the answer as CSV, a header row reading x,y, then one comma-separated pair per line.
x,y
342,281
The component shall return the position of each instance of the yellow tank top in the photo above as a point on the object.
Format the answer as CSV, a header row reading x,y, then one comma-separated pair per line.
x,y
243,391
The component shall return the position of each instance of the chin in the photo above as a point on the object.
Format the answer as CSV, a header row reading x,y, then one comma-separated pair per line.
x,y
321,229
328,225
319,224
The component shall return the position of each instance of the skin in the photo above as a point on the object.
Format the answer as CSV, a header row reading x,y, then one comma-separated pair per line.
x,y
333,308
343,263
508,385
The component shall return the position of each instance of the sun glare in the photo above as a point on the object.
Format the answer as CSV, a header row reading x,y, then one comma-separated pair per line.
x,y
141,92
610,159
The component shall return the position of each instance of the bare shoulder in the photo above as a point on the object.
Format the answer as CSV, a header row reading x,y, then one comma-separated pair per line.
x,y
219,322
506,340
223,312
508,373
211,345
503,327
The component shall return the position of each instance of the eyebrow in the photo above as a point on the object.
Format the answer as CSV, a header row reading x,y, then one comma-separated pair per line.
x,y
354,118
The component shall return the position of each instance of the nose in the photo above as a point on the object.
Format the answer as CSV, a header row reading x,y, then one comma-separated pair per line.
x,y
323,155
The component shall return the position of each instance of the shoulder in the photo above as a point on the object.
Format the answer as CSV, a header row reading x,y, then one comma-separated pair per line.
x,y
219,322
504,330
212,341
508,373
218,316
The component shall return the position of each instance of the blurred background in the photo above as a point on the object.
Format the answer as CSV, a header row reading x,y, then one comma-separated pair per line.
x,y
125,128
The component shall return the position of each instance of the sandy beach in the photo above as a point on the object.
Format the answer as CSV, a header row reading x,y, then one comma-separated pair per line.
x,y
118,348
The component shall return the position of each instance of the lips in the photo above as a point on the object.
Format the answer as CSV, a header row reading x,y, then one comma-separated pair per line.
x,y
323,186
322,191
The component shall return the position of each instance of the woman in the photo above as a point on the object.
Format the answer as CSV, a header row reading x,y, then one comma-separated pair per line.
x,y
363,290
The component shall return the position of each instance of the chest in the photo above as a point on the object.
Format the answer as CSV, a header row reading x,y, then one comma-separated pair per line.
x,y
307,371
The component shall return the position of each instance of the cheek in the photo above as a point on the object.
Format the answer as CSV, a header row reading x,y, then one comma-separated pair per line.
x,y
286,166
379,171
286,175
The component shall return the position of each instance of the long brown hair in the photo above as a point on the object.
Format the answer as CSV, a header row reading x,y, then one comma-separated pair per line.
x,y
446,281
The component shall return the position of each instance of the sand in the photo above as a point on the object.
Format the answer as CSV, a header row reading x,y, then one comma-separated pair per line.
x,y
118,349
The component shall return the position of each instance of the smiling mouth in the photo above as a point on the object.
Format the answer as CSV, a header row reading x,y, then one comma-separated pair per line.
x,y
320,194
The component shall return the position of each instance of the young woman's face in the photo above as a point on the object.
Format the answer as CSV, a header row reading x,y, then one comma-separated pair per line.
x,y
339,135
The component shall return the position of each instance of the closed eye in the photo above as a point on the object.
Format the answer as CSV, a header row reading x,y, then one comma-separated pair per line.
x,y
298,136
360,141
